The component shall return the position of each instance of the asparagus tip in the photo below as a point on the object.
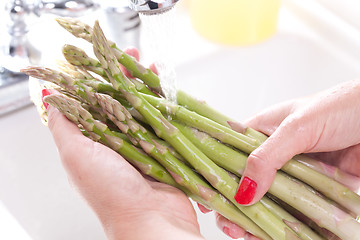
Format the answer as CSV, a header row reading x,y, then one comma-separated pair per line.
x,y
76,27
37,72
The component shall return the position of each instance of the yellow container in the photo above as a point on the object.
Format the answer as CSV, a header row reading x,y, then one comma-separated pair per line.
x,y
235,22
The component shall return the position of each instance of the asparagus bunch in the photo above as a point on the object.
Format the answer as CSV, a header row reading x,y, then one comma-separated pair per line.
x,y
197,150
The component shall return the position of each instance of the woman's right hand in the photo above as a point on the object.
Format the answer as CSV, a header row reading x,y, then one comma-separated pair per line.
x,y
325,124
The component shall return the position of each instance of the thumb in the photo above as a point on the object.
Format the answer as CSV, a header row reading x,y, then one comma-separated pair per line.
x,y
263,162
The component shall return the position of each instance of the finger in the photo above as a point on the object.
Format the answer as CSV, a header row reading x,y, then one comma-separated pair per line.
x,y
229,228
263,162
203,209
153,68
132,51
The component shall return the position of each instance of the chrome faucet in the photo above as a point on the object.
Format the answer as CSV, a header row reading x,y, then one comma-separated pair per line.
x,y
150,7
18,52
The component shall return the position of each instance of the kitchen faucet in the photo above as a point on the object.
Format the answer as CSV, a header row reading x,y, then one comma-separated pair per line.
x,y
18,52
150,7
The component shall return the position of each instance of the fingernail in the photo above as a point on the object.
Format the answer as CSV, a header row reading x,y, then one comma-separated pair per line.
x,y
45,92
246,191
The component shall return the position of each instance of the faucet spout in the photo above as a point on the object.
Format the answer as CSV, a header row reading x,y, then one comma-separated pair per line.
x,y
150,7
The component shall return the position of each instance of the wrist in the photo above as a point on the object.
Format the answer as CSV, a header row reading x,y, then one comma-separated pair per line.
x,y
151,226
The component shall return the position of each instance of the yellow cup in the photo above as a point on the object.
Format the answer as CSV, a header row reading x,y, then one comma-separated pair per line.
x,y
235,22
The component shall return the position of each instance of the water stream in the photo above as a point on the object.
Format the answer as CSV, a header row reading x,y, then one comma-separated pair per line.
x,y
159,41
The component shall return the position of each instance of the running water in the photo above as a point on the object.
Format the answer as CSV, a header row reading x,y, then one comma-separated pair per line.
x,y
159,43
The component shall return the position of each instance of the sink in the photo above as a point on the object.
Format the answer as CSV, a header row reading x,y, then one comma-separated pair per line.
x,y
240,81
243,81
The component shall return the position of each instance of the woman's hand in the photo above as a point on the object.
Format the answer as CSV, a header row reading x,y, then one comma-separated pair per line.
x,y
325,125
128,205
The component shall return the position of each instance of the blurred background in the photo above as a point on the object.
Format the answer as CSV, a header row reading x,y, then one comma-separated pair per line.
x,y
239,55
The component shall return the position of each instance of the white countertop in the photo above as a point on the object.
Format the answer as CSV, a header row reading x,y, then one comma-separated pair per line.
x,y
300,59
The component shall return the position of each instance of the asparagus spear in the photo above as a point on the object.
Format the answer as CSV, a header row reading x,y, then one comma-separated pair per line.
x,y
203,109
64,81
78,57
322,231
299,227
99,131
351,181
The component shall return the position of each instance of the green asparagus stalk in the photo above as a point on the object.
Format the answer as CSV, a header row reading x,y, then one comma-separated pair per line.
x,y
351,181
99,132
300,216
218,131
304,231
76,72
77,57
203,109
63,80
216,176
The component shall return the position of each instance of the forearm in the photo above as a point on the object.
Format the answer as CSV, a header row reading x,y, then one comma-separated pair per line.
x,y
151,226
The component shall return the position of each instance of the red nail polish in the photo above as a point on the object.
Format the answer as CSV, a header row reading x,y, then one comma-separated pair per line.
x,y
44,93
246,191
